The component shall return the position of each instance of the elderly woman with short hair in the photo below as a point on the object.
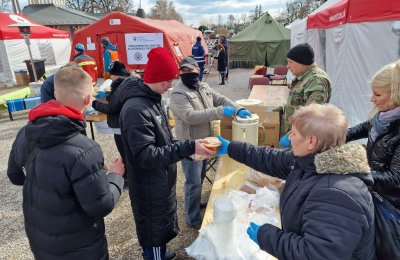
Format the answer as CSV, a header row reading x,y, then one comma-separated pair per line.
x,y
326,209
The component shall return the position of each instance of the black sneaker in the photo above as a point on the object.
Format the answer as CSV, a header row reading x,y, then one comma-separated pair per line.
x,y
170,255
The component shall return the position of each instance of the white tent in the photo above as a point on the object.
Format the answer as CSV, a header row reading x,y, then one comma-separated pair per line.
x,y
352,39
47,44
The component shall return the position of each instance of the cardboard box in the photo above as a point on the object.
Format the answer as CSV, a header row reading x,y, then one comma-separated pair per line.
x,y
268,130
269,122
268,125
22,78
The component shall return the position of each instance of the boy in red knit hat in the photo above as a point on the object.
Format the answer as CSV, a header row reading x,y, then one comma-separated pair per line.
x,y
151,154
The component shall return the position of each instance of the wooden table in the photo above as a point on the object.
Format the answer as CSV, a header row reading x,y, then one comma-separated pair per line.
x,y
95,118
272,95
103,117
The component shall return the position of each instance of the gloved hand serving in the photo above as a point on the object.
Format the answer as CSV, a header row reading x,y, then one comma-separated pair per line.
x,y
252,231
244,113
229,111
284,142
224,146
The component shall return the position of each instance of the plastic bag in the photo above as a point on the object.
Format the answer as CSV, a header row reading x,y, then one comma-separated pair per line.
x,y
263,180
106,85
223,241
250,187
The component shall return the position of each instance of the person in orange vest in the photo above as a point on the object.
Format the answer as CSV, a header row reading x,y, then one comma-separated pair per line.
x,y
87,63
110,54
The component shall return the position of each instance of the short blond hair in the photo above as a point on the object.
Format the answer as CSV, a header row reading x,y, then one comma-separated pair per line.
x,y
324,121
388,78
73,82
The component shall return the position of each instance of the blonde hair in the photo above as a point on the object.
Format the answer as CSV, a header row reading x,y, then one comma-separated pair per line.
x,y
72,82
388,78
326,122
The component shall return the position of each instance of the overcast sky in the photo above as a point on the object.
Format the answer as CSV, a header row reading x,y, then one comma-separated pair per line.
x,y
195,11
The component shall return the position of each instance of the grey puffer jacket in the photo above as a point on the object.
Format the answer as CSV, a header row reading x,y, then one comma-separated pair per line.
x,y
383,158
326,209
194,108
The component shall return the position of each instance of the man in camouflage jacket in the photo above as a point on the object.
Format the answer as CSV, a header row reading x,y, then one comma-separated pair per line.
x,y
311,84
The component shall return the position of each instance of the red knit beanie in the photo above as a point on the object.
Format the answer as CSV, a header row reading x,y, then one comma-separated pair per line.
x,y
160,66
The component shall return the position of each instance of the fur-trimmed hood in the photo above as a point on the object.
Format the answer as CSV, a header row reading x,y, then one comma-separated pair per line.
x,y
346,159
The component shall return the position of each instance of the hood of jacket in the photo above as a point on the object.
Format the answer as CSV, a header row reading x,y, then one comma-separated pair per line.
x,y
111,47
52,123
115,84
136,88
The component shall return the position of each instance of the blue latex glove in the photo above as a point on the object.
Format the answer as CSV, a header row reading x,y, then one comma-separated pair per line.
x,y
244,113
229,111
284,142
252,231
224,146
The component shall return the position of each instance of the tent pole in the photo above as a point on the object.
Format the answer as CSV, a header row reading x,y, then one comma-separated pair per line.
x,y
27,41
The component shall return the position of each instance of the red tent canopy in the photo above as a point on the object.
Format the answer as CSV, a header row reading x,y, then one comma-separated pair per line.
x,y
355,11
37,32
177,37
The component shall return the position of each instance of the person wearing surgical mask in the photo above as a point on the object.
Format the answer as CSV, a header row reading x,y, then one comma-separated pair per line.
x,y
195,104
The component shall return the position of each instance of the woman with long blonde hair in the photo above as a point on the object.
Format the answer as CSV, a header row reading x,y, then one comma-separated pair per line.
x,y
383,133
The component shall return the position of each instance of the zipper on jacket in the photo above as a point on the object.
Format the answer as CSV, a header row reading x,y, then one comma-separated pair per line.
x,y
204,107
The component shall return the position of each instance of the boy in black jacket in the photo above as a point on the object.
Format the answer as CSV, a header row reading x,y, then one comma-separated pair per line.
x,y
66,191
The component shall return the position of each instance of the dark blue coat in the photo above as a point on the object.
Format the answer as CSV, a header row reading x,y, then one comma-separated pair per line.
x,y
326,209
47,89
198,53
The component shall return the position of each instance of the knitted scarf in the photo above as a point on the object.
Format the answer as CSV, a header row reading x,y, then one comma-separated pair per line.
x,y
381,121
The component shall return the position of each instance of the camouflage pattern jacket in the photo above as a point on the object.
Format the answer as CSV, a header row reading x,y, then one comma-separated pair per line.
x,y
313,86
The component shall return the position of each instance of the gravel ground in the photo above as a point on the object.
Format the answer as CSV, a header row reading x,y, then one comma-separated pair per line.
x,y
120,227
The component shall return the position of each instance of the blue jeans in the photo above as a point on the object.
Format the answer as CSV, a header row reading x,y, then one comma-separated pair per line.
x,y
195,173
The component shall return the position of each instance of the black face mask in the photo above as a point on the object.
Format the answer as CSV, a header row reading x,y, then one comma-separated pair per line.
x,y
190,79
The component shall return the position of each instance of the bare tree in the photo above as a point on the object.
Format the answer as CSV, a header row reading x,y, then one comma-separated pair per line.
x,y
256,13
165,10
101,6
4,5
231,21
297,9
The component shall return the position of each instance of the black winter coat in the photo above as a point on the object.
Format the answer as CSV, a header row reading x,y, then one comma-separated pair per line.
x,y
151,155
383,158
326,209
66,192
114,106
221,61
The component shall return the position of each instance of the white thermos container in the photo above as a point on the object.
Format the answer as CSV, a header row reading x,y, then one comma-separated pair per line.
x,y
245,129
